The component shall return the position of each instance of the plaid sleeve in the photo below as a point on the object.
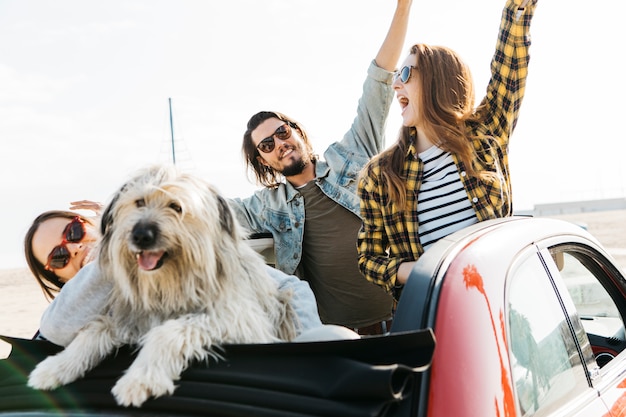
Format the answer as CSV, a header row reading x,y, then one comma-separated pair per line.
x,y
373,243
509,69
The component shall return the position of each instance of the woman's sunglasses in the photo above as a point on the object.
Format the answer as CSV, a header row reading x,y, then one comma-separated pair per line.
x,y
60,256
404,74
283,132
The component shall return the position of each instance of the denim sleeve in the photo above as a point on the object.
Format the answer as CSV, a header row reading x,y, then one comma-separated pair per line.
x,y
368,128
249,212
303,299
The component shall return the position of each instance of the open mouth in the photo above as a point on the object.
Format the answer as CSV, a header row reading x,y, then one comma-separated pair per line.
x,y
403,101
287,152
150,260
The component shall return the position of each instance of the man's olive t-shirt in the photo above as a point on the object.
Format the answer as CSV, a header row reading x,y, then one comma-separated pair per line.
x,y
329,264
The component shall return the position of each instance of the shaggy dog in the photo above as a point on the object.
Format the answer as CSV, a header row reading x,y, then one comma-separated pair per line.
x,y
184,282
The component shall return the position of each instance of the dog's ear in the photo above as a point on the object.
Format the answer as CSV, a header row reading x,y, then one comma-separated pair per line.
x,y
106,220
107,217
227,218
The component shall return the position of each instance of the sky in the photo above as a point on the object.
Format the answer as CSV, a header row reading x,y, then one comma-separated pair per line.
x,y
85,90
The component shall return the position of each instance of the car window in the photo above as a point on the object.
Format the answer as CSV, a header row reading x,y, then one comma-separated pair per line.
x,y
546,364
588,284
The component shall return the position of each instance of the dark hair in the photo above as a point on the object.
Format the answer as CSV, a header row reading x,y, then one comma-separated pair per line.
x,y
48,281
268,176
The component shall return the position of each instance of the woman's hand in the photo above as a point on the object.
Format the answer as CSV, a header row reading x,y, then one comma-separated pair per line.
x,y
86,205
404,270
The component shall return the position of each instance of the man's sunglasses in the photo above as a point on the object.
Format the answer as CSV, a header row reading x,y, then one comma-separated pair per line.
x,y
283,132
404,74
60,256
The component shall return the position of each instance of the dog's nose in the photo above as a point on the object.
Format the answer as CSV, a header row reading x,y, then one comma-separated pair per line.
x,y
144,235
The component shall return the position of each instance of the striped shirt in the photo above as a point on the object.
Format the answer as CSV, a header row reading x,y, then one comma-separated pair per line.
x,y
442,206
391,235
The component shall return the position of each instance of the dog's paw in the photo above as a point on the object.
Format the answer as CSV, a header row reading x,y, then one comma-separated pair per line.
x,y
131,390
48,375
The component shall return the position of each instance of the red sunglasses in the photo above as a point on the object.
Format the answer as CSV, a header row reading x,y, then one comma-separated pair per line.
x,y
60,256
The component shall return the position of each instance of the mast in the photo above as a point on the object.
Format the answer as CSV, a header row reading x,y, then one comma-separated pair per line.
x,y
172,132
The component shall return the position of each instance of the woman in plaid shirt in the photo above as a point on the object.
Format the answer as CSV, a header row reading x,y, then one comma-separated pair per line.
x,y
449,167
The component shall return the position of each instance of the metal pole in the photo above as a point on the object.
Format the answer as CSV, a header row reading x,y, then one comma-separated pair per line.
x,y
172,132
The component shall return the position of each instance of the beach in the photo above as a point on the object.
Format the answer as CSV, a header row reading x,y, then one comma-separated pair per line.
x,y
23,301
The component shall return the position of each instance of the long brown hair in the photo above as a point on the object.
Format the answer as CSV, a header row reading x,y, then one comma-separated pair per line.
x,y
265,175
445,104
48,281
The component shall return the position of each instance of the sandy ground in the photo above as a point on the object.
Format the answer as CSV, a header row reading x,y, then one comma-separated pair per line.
x,y
22,301
21,305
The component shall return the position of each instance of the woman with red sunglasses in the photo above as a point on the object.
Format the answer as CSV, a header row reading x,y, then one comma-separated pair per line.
x,y
58,244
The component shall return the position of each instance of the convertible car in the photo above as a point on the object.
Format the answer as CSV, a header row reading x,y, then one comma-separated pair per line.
x,y
512,317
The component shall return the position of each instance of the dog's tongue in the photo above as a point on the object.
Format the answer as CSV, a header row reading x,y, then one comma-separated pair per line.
x,y
149,260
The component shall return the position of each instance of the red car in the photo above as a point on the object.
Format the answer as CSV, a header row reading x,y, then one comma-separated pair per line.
x,y
511,317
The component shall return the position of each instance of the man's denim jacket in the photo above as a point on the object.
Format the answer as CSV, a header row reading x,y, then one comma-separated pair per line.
x,y
280,211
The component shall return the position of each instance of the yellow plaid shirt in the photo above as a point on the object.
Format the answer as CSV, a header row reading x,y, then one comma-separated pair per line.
x,y
390,236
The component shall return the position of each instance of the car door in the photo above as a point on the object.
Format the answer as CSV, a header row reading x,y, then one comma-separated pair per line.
x,y
552,362
593,289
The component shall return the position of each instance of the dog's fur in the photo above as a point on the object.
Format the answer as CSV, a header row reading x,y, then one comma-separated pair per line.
x,y
184,282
